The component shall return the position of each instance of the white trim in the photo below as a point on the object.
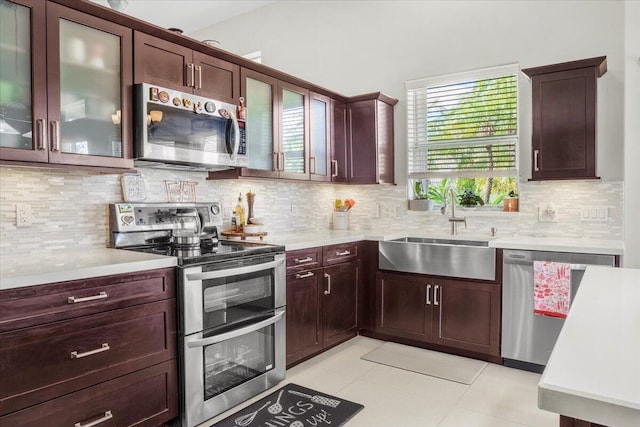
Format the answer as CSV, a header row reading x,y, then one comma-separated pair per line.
x,y
445,79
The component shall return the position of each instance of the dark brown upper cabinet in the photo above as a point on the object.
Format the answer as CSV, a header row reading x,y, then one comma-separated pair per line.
x,y
67,98
339,142
171,65
565,119
370,146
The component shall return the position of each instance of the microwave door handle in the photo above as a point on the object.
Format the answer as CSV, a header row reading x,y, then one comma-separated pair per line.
x,y
236,333
236,132
234,271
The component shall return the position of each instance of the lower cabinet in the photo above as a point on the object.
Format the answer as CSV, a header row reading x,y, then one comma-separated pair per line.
x,y
454,313
321,301
90,351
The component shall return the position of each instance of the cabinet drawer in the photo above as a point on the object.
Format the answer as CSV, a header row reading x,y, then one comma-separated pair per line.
x,y
43,362
335,254
36,305
147,397
304,259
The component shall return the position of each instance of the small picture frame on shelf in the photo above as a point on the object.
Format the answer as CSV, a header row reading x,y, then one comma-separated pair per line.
x,y
133,189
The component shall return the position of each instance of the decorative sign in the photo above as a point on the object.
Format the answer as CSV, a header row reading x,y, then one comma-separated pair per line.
x,y
133,187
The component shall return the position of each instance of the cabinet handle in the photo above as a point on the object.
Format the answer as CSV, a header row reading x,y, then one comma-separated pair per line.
x,y
334,164
107,416
191,75
76,355
282,164
41,136
276,161
55,135
536,153
305,275
73,300
199,70
428,294
328,277
301,260
435,295
312,165
343,253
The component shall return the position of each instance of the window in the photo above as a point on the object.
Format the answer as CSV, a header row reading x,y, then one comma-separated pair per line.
x,y
462,130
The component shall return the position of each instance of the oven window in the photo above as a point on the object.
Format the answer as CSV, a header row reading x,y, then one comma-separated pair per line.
x,y
237,298
187,130
232,362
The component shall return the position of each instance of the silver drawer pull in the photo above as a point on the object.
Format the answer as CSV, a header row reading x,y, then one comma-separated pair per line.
x,y
301,260
107,416
76,355
305,275
343,253
73,300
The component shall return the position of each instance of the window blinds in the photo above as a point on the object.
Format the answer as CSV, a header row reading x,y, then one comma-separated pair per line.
x,y
463,125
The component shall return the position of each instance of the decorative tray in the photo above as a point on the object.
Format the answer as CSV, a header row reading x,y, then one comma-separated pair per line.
x,y
243,235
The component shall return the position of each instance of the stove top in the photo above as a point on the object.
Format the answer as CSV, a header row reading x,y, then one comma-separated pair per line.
x,y
209,252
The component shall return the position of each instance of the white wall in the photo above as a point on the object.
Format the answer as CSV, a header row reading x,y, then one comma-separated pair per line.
x,y
356,47
632,135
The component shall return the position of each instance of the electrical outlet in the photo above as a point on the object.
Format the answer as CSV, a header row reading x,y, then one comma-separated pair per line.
x,y
548,213
23,214
226,213
293,210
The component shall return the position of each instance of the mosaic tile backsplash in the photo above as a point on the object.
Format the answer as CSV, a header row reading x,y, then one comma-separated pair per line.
x,y
69,208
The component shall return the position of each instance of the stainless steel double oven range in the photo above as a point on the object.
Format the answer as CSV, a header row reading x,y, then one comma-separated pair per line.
x,y
231,303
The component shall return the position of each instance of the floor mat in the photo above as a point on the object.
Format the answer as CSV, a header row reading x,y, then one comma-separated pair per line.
x,y
294,406
427,362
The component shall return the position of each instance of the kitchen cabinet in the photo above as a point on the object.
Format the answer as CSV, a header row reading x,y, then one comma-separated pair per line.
x,y
171,65
339,142
452,313
370,143
320,150
66,94
564,119
87,328
322,299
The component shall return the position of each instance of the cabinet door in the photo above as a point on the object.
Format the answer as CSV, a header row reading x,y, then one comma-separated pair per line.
x,y
339,142
363,148
23,73
216,78
467,315
293,153
260,92
163,63
89,89
304,335
320,134
403,306
564,124
340,302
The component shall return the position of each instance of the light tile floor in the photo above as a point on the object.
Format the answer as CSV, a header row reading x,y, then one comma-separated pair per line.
x,y
499,397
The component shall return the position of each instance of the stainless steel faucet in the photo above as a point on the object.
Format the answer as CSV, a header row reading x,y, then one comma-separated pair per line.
x,y
453,219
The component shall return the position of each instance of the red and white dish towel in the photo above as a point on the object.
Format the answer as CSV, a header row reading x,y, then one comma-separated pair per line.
x,y
552,288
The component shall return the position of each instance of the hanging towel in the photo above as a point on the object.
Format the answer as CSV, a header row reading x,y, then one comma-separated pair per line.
x,y
552,288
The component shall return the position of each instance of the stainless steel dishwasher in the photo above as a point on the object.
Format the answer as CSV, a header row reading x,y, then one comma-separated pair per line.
x,y
528,338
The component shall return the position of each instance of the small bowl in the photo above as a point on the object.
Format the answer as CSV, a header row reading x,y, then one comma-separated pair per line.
x,y
252,228
257,221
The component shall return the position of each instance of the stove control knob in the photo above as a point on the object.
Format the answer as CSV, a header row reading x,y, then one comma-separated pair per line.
x,y
186,102
215,209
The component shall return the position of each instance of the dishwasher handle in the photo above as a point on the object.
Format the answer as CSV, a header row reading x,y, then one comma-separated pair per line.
x,y
523,259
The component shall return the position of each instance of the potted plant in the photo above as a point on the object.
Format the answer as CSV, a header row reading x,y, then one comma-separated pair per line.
x,y
510,202
469,199
421,202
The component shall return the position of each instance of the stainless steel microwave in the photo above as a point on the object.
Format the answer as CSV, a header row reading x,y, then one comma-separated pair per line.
x,y
178,130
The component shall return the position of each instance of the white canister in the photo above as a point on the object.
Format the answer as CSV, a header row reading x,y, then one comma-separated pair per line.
x,y
341,220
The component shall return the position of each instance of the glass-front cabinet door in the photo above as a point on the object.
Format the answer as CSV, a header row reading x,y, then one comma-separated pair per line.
x,y
23,109
89,89
294,132
319,157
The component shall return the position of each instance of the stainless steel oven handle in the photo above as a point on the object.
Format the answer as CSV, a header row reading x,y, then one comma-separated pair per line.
x,y
234,271
236,142
237,333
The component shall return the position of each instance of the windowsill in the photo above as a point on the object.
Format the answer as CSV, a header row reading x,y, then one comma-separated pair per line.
x,y
472,212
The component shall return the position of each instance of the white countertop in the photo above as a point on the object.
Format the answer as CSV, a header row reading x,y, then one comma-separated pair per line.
x,y
561,244
593,373
27,270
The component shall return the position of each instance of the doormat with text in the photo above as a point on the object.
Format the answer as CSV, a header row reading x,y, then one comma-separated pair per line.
x,y
294,406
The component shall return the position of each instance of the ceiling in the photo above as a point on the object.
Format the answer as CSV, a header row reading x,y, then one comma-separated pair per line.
x,y
188,15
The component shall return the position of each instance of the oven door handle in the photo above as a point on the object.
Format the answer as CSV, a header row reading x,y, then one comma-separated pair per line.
x,y
234,334
234,271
